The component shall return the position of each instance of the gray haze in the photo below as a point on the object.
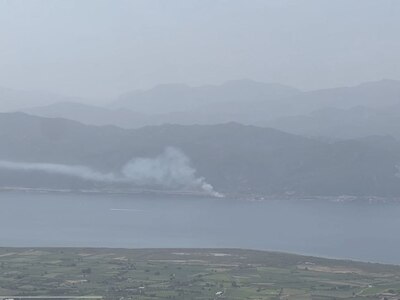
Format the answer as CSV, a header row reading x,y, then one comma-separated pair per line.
x,y
173,74
102,48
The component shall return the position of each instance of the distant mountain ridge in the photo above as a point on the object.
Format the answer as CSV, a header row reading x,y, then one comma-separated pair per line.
x,y
13,100
345,112
91,115
170,98
354,122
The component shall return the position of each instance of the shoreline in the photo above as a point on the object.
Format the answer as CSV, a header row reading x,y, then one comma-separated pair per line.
x,y
200,194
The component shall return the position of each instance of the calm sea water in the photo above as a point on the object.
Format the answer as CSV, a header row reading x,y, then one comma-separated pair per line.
x,y
360,231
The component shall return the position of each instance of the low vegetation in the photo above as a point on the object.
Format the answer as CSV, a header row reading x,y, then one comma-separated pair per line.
x,y
190,274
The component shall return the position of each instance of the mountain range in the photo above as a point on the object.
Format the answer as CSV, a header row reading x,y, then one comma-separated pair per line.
x,y
370,108
39,152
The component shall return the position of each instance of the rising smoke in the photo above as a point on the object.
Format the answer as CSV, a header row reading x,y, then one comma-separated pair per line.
x,y
82,172
171,170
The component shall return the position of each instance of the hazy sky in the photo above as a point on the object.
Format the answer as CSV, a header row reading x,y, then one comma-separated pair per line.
x,y
99,48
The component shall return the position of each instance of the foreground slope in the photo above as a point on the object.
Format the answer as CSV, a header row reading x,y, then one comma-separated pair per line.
x,y
190,274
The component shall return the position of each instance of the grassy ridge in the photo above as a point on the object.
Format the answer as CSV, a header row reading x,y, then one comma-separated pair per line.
x,y
190,274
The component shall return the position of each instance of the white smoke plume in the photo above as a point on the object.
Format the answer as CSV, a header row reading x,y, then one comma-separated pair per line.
x,y
69,170
171,170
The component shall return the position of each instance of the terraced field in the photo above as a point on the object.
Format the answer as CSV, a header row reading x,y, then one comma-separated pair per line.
x,y
189,274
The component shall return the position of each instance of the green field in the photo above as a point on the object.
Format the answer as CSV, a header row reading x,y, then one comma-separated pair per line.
x,y
190,274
